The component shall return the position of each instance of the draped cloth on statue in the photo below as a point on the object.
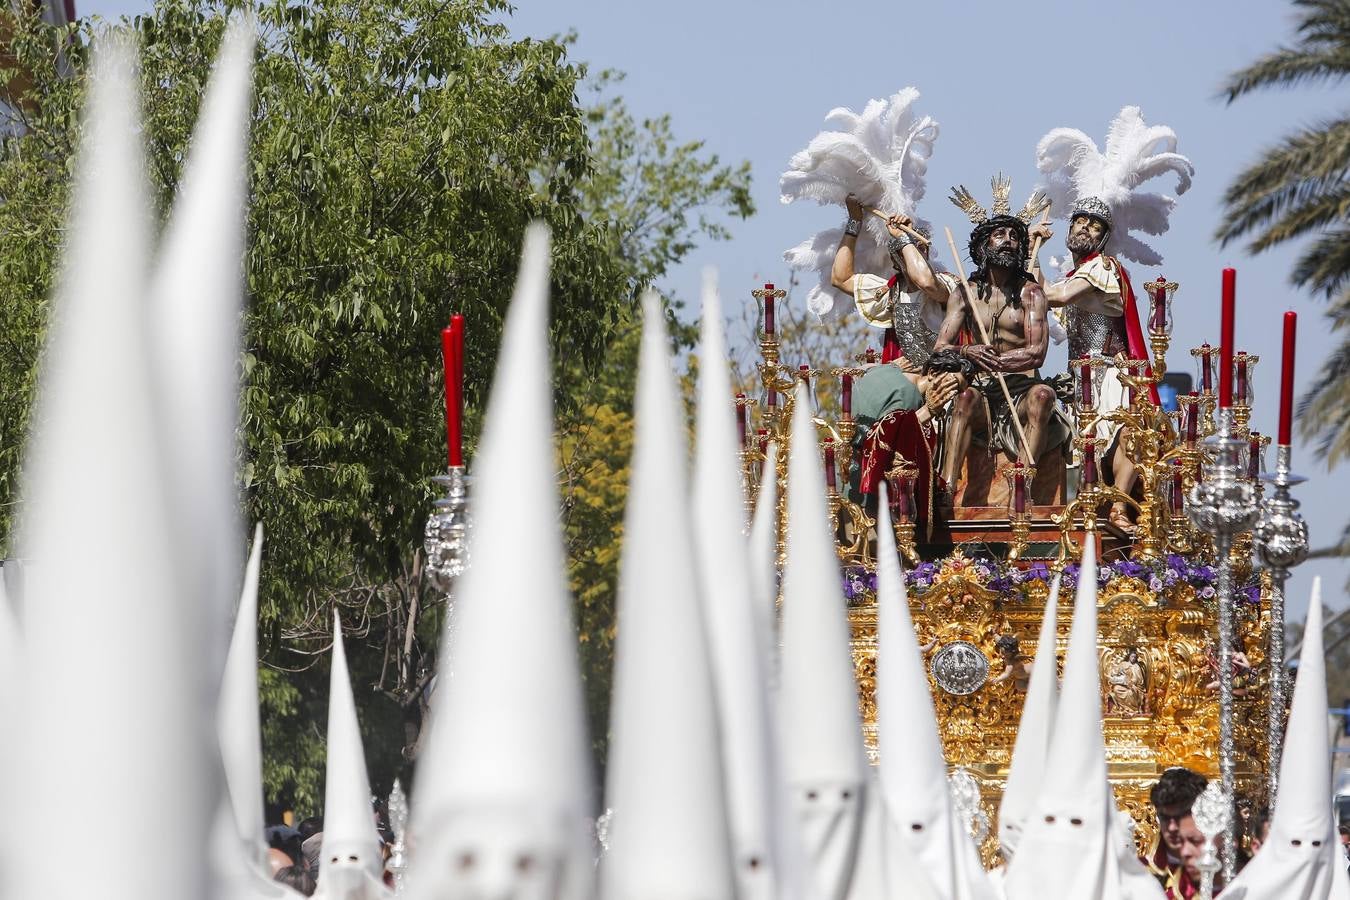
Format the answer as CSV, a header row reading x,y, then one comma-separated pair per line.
x,y
884,405
915,318
1000,432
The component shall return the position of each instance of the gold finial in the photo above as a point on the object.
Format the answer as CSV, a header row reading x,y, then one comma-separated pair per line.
x,y
967,203
1002,187
1038,203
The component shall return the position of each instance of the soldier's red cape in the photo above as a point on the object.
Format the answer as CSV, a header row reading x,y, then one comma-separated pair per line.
x,y
1134,332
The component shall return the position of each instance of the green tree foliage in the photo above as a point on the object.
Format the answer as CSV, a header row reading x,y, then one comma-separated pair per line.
x,y
1300,187
398,149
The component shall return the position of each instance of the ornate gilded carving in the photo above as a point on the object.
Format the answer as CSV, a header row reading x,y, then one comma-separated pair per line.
x,y
1158,705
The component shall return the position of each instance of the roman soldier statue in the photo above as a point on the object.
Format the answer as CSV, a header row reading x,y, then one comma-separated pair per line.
x,y
1099,194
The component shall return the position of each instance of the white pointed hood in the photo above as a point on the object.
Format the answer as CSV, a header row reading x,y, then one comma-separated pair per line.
x,y
196,300
913,768
108,627
818,696
507,770
351,865
1034,731
763,557
734,625
1071,845
237,724
1301,859
669,837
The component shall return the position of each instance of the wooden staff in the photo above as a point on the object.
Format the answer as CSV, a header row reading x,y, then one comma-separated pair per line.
x,y
984,335
905,228
1036,241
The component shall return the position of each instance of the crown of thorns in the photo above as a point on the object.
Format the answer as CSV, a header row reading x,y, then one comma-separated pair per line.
x,y
1002,187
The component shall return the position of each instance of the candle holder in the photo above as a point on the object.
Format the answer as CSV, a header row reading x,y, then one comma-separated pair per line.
x,y
446,537
1224,505
1206,363
1244,393
1136,381
398,823
1180,536
1281,538
900,477
1191,409
1092,493
1160,294
1213,814
1019,478
749,454
1088,373
1254,458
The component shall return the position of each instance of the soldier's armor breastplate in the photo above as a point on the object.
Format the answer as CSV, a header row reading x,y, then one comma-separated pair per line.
x,y
916,338
1094,333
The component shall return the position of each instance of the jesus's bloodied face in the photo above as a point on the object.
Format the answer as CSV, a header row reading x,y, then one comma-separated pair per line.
x,y
1002,247
1085,234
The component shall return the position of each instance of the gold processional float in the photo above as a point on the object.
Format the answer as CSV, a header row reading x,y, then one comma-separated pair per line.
x,y
1185,617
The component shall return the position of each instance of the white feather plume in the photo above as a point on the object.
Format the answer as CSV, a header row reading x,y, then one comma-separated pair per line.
x,y
881,155
1135,153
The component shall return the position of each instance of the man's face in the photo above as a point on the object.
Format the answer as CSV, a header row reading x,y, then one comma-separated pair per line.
x,y
1085,233
1169,823
1002,247
1192,845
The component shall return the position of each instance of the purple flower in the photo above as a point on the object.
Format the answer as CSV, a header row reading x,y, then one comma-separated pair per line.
x,y
1207,592
1155,583
1250,594
1130,569
1176,561
1039,571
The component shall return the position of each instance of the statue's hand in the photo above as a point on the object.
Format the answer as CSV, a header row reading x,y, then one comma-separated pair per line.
x,y
854,207
905,365
983,356
1043,232
941,390
896,225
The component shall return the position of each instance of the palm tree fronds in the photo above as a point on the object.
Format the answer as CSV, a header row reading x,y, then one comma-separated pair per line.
x,y
1289,67
1308,206
1324,412
1325,266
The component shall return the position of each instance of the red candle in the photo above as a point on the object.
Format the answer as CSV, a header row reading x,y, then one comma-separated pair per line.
x,y
804,373
740,418
1159,292
768,309
830,481
1089,462
890,346
771,398
1240,367
452,352
1178,487
1085,386
763,435
1254,456
846,394
871,355
1019,490
1192,419
1226,323
1287,380
1206,369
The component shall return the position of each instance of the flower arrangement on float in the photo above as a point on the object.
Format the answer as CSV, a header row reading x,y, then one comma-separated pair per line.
x,y
1171,579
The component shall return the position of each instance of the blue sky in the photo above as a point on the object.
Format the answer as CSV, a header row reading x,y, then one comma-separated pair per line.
x,y
756,80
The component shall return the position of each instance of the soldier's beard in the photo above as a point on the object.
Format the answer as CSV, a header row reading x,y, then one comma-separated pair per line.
x,y
1003,257
1080,243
